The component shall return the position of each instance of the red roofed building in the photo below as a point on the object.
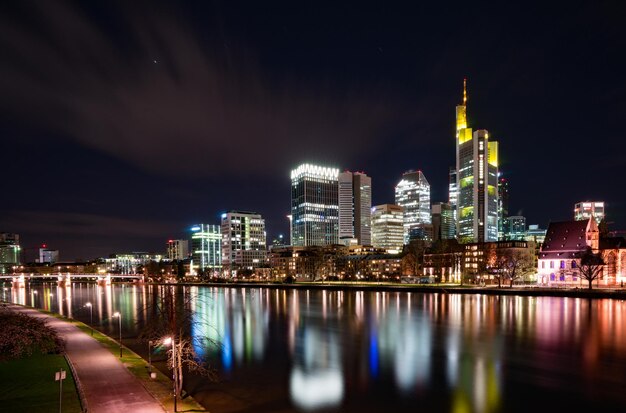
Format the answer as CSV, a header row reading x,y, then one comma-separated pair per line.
x,y
558,260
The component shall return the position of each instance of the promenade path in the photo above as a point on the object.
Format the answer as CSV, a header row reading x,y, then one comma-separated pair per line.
x,y
107,385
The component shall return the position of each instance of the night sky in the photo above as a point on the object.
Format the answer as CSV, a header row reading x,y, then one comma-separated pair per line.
x,y
123,124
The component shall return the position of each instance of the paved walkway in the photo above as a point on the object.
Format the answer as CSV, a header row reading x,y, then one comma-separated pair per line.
x,y
107,385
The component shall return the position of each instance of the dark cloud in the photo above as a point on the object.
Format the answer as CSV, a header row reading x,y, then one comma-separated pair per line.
x,y
159,99
146,117
84,235
82,224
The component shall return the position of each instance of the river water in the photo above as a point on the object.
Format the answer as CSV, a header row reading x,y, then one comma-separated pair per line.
x,y
297,350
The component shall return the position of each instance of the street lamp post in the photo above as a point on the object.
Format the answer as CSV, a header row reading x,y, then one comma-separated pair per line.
x,y
150,343
167,341
90,317
119,316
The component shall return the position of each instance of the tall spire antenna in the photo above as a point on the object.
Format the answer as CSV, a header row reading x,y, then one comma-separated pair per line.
x,y
464,91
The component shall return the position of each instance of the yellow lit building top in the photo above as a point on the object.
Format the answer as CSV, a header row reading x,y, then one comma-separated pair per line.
x,y
493,153
461,118
465,135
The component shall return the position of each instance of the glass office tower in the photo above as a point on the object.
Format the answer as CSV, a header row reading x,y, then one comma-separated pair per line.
x,y
413,195
314,205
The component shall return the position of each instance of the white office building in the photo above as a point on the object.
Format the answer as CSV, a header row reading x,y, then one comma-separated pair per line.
x,y
244,242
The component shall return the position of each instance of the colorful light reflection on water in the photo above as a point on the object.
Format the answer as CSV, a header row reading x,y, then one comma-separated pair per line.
x,y
323,350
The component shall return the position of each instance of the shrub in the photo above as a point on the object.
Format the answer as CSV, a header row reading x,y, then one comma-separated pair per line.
x,y
22,335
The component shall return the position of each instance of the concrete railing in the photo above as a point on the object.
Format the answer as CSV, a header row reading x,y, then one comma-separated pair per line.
x,y
79,387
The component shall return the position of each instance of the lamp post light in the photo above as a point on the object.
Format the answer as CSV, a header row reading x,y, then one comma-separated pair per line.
x,y
90,316
150,344
167,341
119,316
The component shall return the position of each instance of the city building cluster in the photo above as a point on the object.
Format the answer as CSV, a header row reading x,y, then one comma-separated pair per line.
x,y
336,233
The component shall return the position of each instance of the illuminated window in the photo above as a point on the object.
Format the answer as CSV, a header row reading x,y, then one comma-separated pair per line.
x,y
551,264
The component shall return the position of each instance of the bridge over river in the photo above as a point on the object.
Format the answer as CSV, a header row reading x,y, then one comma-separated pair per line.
x,y
20,280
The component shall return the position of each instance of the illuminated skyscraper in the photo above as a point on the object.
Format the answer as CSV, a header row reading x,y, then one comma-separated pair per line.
x,y
413,195
388,227
314,206
244,243
206,248
355,204
477,168
588,209
443,221
503,206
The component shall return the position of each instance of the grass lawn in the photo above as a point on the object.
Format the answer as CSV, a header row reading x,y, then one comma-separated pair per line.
x,y
27,385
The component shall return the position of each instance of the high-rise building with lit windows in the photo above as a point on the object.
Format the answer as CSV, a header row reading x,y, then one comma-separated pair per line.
x,y
355,204
587,209
314,206
515,228
413,195
453,196
388,227
48,255
177,249
10,251
206,248
443,221
477,177
244,241
503,206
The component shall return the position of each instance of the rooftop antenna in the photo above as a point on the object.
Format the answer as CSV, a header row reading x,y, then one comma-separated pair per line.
x,y
464,91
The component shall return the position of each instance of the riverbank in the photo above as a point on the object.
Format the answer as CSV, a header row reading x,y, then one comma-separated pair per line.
x,y
528,291
31,354
110,383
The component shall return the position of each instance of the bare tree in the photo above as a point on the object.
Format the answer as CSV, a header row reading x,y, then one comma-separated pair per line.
x,y
413,257
171,320
323,261
516,264
319,263
591,265
497,268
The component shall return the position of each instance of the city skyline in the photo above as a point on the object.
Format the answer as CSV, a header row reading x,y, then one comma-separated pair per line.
x,y
116,149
